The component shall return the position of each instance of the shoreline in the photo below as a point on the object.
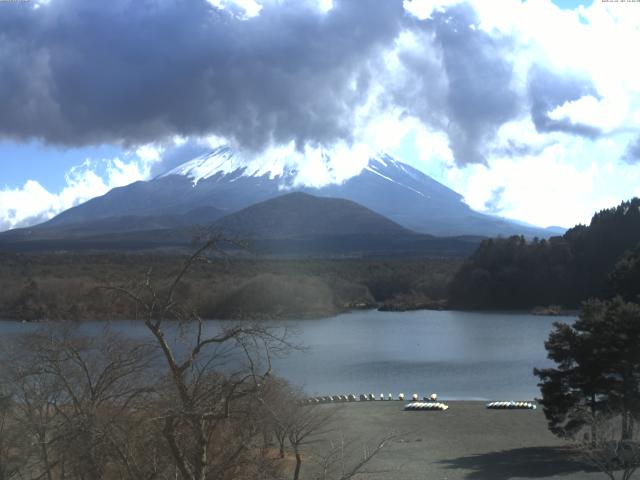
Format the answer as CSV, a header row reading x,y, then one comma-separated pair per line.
x,y
304,318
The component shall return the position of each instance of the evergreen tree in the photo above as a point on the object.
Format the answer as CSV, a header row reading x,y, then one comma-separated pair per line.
x,y
598,369
513,273
625,279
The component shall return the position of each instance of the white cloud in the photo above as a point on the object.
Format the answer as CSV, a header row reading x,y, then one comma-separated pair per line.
x,y
542,190
564,184
386,131
553,178
433,147
325,5
593,40
152,153
604,114
423,9
32,203
18,205
316,166
248,8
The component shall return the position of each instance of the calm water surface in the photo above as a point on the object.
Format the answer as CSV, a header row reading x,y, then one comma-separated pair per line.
x,y
459,355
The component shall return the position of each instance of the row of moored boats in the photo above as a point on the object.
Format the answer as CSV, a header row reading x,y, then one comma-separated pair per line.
x,y
426,406
511,405
429,402
366,397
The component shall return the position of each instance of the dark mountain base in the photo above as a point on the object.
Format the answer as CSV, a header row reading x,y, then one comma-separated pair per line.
x,y
66,286
385,246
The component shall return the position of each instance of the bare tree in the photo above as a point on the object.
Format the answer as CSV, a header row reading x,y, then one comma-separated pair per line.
x,y
340,463
212,380
34,395
615,449
76,396
305,425
310,431
279,399
12,445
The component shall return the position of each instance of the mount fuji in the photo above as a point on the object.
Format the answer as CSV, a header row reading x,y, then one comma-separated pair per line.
x,y
220,183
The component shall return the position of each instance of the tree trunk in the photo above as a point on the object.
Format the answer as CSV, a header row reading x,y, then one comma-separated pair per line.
x,y
628,425
45,454
296,474
202,444
181,462
625,424
594,431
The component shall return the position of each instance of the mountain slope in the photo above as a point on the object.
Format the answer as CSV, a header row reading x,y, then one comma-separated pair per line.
x,y
299,215
223,180
294,224
131,224
301,224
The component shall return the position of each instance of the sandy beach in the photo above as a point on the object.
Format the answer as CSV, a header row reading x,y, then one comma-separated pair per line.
x,y
467,441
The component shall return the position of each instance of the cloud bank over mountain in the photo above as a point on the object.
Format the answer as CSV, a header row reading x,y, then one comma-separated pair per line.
x,y
132,72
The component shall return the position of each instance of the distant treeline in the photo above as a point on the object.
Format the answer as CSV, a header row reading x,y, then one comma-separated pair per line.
x,y
599,260
70,286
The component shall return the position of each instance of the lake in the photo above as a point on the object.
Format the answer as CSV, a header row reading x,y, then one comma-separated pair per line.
x,y
459,355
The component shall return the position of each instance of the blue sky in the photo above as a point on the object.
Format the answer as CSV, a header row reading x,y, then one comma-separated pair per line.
x,y
530,109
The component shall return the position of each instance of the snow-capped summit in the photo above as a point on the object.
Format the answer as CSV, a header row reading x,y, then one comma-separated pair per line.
x,y
224,160
314,167
291,170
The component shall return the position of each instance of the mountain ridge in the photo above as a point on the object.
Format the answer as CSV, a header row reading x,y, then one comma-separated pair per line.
x,y
163,212
223,180
293,224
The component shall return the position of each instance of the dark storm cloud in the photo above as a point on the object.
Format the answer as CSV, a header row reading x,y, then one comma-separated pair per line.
x,y
177,155
632,154
76,72
548,90
517,149
465,86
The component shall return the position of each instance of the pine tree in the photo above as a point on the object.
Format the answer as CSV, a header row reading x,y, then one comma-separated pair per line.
x,y
598,369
